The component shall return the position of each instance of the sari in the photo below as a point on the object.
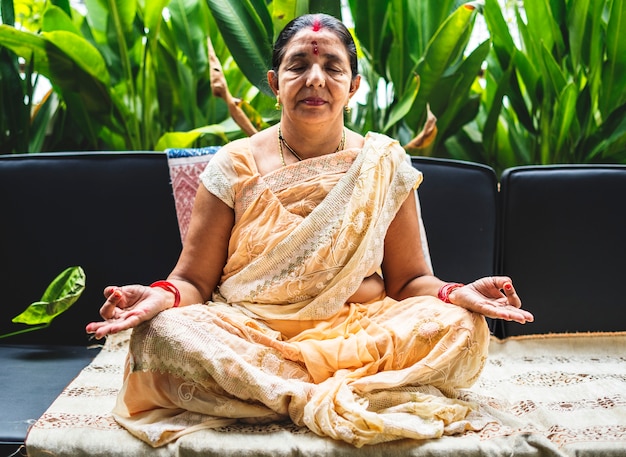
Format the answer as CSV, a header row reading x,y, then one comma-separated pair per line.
x,y
279,341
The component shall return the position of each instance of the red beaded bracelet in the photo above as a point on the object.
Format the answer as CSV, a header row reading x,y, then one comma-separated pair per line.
x,y
446,290
170,288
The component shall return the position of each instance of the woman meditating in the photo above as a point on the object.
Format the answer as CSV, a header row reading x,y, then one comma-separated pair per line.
x,y
302,291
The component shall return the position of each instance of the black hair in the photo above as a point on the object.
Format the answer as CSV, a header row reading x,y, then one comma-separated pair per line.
x,y
315,20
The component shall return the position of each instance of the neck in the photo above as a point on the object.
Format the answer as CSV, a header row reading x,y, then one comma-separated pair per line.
x,y
307,144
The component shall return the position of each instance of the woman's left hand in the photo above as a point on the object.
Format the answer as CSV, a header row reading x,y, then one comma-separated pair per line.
x,y
493,297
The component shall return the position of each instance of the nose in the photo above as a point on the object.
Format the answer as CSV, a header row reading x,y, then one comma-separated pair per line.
x,y
315,77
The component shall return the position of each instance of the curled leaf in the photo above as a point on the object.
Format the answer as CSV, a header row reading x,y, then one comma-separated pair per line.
x,y
62,293
421,143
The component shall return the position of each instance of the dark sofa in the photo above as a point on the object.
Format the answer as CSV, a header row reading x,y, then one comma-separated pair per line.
x,y
557,230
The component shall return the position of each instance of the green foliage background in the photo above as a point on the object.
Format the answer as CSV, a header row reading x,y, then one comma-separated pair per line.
x,y
133,75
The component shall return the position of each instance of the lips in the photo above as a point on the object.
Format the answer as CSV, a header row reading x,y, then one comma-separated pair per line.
x,y
314,101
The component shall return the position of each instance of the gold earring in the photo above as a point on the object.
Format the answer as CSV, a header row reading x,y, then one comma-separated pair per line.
x,y
277,105
347,109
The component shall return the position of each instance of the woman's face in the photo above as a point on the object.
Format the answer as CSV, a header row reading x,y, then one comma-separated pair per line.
x,y
314,78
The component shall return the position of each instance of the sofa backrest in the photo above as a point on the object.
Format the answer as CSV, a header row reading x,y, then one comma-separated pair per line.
x,y
110,213
459,209
458,202
564,244
93,209
561,233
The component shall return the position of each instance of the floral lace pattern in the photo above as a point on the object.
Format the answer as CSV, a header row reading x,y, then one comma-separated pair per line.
x,y
579,419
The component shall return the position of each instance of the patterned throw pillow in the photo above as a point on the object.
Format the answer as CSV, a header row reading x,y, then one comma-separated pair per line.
x,y
185,166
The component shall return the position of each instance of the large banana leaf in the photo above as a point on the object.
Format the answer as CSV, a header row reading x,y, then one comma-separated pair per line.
x,y
247,28
284,11
71,64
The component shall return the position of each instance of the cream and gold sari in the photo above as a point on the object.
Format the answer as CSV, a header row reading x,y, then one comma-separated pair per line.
x,y
278,341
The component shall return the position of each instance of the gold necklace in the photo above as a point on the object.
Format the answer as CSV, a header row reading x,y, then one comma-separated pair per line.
x,y
281,141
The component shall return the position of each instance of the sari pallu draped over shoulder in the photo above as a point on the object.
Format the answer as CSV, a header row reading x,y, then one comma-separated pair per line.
x,y
279,341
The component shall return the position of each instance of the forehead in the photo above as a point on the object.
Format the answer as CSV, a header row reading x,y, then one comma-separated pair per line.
x,y
309,41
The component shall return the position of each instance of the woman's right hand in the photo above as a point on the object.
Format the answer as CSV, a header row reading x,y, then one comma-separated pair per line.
x,y
128,306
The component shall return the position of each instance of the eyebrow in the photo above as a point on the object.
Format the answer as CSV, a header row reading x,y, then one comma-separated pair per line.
x,y
304,55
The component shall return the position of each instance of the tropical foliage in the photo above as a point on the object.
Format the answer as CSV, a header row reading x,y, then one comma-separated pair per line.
x,y
129,74
125,72
135,74
555,93
415,55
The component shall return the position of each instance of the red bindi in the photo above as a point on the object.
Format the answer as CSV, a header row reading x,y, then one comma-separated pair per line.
x,y
317,25
315,49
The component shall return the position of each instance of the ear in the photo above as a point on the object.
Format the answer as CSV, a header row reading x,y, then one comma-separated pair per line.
x,y
272,80
354,85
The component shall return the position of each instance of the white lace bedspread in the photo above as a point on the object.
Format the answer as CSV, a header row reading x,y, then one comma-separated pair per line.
x,y
554,395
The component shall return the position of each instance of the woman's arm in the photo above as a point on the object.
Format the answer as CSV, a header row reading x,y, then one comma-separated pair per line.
x,y
205,249
405,270
196,274
407,274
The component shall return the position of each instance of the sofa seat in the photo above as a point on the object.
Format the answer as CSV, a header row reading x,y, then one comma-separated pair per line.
x,y
550,395
36,375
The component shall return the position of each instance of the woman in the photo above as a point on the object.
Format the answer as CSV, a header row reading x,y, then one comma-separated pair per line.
x,y
302,290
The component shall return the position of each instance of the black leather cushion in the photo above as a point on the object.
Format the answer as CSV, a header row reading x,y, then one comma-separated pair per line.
x,y
31,377
111,213
564,244
459,210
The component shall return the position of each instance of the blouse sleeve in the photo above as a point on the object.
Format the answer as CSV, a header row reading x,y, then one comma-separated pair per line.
x,y
219,177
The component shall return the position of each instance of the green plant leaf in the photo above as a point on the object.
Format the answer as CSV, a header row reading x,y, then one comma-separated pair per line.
x,y
176,140
81,52
7,11
189,26
614,71
64,5
59,296
450,95
247,39
332,7
122,13
553,76
83,83
261,9
423,19
371,27
543,25
404,105
443,51
499,31
40,121
577,28
611,136
54,18
565,114
152,14
284,11
490,127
